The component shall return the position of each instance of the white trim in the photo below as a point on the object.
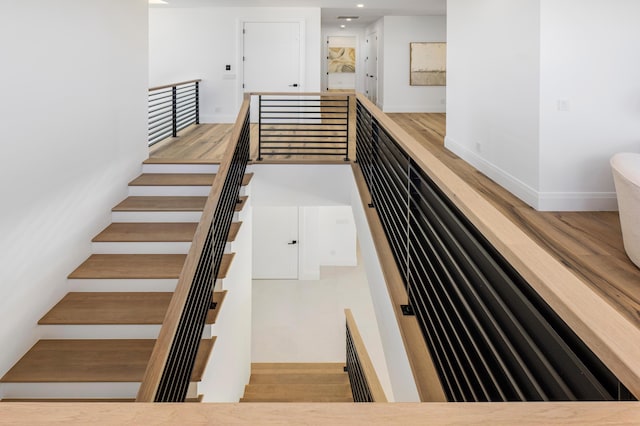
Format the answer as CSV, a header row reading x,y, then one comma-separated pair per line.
x,y
413,108
541,201
512,184
577,201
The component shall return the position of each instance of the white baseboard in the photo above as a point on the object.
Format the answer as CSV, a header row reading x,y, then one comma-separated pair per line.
x,y
577,201
504,179
414,108
541,201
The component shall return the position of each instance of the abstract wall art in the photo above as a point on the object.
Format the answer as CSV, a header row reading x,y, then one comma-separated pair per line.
x,y
428,65
342,60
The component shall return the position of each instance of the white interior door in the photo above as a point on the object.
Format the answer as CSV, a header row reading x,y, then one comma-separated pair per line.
x,y
275,242
271,57
371,82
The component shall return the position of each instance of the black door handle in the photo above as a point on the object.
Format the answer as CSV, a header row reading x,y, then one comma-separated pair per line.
x,y
293,242
293,85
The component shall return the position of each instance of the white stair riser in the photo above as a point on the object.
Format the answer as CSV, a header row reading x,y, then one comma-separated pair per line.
x,y
141,247
92,331
121,285
70,390
180,168
125,285
155,217
169,191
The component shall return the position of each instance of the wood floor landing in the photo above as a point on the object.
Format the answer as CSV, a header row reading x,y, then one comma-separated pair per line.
x,y
298,382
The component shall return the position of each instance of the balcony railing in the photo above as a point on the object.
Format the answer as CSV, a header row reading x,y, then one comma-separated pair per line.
x,y
173,107
305,124
169,370
491,335
365,386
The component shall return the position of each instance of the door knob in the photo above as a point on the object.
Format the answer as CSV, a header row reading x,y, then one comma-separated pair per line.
x,y
293,85
293,242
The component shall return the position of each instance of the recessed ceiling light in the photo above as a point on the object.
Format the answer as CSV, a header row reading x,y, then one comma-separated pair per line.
x,y
158,2
343,26
348,19
360,5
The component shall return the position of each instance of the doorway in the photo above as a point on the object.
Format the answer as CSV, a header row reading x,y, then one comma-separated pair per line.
x,y
371,64
275,242
341,62
271,57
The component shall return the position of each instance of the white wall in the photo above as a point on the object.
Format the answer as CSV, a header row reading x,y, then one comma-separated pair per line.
x,y
188,43
301,185
229,366
74,124
337,239
591,61
493,89
395,356
542,93
398,94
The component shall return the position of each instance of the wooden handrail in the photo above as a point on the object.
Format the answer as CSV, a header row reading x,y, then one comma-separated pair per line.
x,y
609,334
369,371
158,359
166,86
294,94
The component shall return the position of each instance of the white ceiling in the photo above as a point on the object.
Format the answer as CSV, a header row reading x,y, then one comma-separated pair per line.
x,y
331,9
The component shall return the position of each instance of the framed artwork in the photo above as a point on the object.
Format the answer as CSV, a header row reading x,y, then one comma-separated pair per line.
x,y
342,60
428,64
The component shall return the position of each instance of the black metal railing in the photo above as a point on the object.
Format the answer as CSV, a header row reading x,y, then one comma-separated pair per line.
x,y
180,336
365,386
172,108
491,336
303,125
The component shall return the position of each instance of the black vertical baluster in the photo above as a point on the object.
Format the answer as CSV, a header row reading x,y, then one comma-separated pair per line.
x,y
197,102
174,109
346,156
259,127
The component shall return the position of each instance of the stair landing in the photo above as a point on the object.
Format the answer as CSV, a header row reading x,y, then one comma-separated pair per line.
x,y
298,382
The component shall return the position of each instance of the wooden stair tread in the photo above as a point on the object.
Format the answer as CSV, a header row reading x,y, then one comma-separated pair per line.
x,y
160,203
83,400
247,178
241,204
298,392
218,298
296,368
126,232
148,232
138,266
233,231
115,308
181,179
88,360
173,179
299,378
143,266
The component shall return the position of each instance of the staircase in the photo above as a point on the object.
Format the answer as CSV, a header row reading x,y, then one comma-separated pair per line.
x,y
98,339
298,382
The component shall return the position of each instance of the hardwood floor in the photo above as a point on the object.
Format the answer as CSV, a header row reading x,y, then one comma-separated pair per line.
x,y
588,243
